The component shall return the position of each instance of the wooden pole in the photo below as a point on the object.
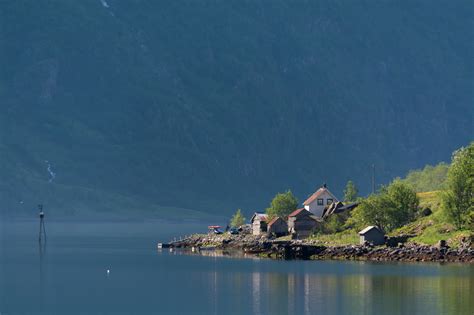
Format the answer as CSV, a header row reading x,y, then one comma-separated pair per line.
x,y
42,230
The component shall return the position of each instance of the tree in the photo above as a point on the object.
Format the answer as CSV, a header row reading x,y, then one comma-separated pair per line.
x,y
393,207
458,201
282,205
238,219
374,210
351,191
404,200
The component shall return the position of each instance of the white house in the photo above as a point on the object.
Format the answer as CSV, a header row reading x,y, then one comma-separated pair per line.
x,y
319,200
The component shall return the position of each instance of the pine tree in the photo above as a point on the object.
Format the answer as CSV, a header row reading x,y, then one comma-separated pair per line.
x,y
351,191
238,219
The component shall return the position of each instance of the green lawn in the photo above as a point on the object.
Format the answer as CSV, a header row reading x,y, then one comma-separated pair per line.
x,y
349,237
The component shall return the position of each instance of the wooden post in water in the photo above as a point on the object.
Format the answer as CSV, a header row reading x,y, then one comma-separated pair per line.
x,y
42,230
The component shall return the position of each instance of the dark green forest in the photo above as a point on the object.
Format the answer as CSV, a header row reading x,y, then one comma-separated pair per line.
x,y
159,106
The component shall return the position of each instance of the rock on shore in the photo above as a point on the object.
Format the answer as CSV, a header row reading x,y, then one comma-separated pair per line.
x,y
299,249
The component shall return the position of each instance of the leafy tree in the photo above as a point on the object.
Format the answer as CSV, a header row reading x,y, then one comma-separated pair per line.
x,y
282,205
238,219
373,210
458,201
405,201
393,207
351,192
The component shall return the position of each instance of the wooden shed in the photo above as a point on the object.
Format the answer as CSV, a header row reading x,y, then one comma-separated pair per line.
x,y
301,223
259,223
277,227
373,235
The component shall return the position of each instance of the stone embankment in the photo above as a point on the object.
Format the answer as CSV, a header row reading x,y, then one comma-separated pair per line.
x,y
302,249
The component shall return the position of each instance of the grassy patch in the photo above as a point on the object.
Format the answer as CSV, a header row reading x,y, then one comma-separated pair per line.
x,y
348,237
432,234
430,199
429,230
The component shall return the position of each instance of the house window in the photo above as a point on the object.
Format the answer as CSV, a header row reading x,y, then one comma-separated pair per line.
x,y
320,201
329,201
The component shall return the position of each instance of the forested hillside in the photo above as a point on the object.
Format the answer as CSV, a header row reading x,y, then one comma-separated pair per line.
x,y
213,105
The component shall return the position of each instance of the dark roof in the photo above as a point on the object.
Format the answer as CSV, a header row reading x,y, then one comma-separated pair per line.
x,y
298,212
260,216
338,207
274,220
349,206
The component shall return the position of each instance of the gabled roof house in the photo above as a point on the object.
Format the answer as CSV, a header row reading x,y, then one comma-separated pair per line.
x,y
320,199
259,223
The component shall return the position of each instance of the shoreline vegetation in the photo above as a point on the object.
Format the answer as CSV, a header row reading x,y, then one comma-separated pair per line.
x,y
417,225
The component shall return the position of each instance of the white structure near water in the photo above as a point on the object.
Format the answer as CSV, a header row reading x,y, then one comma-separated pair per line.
x,y
320,199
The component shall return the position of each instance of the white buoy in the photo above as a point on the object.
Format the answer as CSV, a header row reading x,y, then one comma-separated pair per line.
x,y
108,271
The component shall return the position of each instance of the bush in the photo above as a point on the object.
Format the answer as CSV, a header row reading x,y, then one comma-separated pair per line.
x,y
334,224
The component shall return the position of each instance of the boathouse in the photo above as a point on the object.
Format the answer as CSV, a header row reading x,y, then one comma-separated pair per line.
x,y
301,223
372,235
277,227
259,223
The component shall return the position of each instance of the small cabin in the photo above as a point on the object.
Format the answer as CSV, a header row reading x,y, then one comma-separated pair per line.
x,y
259,223
277,227
319,200
301,223
372,235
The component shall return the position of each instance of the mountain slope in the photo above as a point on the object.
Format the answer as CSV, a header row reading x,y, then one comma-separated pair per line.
x,y
214,105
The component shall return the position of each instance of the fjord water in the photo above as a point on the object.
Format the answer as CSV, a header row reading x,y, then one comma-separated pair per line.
x,y
68,276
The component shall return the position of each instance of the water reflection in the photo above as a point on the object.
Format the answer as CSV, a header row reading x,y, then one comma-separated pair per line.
x,y
301,287
256,290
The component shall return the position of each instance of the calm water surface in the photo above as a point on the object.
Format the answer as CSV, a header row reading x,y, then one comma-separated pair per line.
x,y
69,276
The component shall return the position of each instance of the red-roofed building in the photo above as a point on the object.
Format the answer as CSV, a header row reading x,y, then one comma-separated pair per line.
x,y
277,227
301,223
320,199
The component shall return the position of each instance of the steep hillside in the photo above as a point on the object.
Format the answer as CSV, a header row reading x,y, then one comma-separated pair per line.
x,y
218,104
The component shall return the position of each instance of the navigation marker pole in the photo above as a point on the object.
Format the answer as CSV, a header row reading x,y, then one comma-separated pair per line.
x,y
373,178
42,230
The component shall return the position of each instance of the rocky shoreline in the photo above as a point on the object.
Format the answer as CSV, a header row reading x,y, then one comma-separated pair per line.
x,y
311,250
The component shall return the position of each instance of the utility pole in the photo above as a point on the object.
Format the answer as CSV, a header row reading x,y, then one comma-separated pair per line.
x,y
42,230
373,178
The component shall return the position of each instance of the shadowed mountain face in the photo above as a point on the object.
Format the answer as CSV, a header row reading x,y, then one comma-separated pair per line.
x,y
213,105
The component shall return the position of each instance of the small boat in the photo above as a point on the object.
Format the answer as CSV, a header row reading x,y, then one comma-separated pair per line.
x,y
163,245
